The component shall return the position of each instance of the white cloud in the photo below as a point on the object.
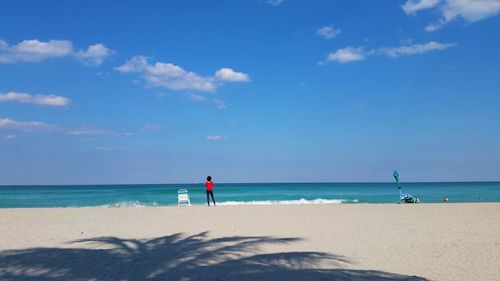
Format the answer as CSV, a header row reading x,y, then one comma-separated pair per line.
x,y
227,74
413,6
468,10
167,75
87,131
36,51
328,32
135,64
345,55
102,74
274,2
414,49
434,26
471,10
216,138
27,126
173,77
104,148
197,98
9,137
95,54
152,128
219,103
95,131
48,100
37,126
350,54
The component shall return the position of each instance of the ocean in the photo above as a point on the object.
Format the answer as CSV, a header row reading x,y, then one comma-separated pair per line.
x,y
145,195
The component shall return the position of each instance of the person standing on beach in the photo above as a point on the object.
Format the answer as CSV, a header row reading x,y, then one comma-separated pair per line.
x,y
210,190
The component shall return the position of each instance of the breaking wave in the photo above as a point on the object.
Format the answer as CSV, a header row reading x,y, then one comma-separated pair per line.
x,y
301,201
130,204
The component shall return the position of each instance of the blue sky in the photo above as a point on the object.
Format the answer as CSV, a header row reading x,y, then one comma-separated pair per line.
x,y
249,91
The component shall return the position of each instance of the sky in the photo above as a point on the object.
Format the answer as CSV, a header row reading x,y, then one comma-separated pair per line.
x,y
103,92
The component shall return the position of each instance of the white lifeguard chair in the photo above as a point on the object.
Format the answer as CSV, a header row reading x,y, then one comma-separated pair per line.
x,y
183,198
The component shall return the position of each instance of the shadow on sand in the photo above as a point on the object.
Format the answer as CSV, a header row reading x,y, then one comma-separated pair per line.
x,y
178,257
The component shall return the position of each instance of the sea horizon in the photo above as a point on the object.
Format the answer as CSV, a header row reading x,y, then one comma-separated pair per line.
x,y
257,182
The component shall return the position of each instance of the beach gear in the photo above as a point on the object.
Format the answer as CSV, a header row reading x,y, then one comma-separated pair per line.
x,y
183,198
404,197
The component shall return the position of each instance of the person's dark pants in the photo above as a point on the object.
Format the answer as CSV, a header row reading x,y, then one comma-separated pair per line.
x,y
211,193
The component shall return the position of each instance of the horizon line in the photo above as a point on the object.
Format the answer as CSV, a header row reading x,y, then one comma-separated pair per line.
x,y
301,182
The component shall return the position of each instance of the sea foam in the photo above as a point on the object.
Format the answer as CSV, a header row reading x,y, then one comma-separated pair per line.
x,y
301,201
130,204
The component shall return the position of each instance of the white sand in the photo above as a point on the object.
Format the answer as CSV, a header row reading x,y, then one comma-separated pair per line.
x,y
279,242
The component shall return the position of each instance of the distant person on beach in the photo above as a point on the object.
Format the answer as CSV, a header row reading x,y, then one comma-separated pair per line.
x,y
210,190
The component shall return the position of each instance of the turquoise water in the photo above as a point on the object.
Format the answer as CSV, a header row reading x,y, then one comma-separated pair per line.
x,y
233,194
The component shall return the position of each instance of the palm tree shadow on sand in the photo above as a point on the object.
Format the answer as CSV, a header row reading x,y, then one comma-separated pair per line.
x,y
179,257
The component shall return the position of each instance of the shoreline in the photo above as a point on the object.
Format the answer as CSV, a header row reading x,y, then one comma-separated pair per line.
x,y
243,203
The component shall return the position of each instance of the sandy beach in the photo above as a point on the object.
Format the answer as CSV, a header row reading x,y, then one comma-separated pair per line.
x,y
275,242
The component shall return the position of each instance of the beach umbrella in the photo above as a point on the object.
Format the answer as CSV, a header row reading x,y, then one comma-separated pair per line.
x,y
396,177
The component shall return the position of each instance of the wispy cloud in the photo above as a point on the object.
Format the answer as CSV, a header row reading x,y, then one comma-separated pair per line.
x,y
95,131
161,95
350,54
197,98
36,51
219,103
104,148
152,128
27,126
361,105
173,77
413,6
9,137
468,10
38,126
328,32
274,2
216,138
414,49
47,100
102,74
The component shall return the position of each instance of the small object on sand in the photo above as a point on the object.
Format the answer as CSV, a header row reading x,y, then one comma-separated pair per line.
x,y
404,197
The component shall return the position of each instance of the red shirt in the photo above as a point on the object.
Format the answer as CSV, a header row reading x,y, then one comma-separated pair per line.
x,y
209,185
